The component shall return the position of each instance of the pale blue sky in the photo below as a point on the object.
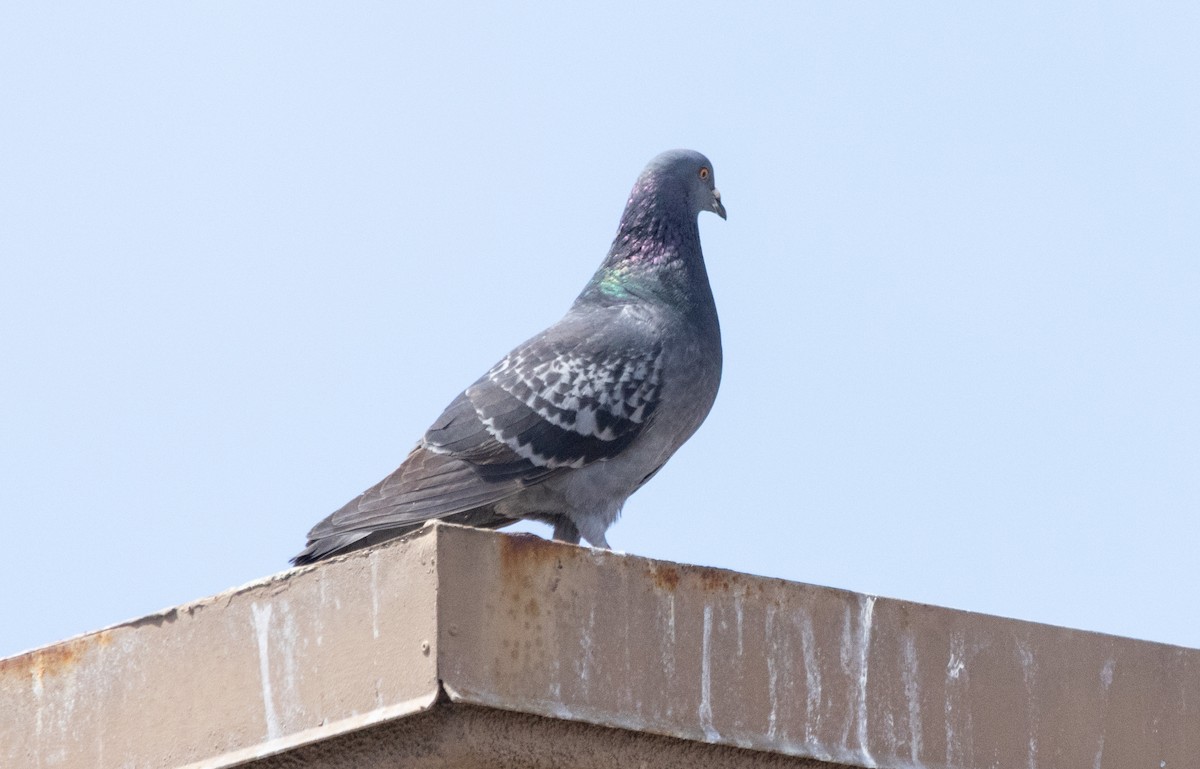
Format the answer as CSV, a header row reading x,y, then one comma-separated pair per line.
x,y
250,250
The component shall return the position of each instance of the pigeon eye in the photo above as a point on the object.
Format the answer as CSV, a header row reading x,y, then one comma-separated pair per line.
x,y
704,172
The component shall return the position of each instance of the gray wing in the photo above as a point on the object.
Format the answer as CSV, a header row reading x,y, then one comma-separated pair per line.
x,y
578,393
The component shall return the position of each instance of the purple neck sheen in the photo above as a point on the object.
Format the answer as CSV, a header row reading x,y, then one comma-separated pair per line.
x,y
656,252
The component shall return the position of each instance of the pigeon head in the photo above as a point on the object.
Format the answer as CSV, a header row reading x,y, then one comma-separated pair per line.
x,y
684,176
656,254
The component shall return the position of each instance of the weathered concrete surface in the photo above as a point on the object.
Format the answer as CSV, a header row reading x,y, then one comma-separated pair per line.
x,y
614,659
471,737
287,660
725,657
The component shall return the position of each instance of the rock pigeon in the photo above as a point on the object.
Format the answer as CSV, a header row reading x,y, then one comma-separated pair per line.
x,y
570,423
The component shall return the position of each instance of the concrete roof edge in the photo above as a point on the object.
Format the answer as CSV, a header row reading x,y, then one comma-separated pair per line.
x,y
318,733
716,656
516,623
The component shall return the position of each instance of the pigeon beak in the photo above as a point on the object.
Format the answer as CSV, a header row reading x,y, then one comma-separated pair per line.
x,y
716,204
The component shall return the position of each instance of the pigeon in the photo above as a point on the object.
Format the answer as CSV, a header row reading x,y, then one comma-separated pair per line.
x,y
571,422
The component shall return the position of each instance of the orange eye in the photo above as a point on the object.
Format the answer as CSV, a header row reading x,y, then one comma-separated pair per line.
x,y
704,172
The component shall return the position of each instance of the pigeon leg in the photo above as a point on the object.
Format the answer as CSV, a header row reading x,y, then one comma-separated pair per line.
x,y
565,530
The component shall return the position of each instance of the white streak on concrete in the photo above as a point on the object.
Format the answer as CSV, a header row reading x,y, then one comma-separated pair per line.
x,y
1106,679
262,630
866,616
955,682
587,657
556,679
38,690
1029,672
668,648
706,716
1106,675
812,679
772,673
954,667
844,648
374,595
321,584
289,695
912,692
629,700
737,607
671,618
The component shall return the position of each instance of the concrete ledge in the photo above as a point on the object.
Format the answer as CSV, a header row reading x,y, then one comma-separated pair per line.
x,y
460,647
464,736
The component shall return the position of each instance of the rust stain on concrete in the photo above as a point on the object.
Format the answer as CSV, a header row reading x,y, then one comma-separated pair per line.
x,y
527,550
55,660
714,580
665,577
526,559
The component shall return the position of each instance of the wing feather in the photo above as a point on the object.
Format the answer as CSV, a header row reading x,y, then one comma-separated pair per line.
x,y
562,400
